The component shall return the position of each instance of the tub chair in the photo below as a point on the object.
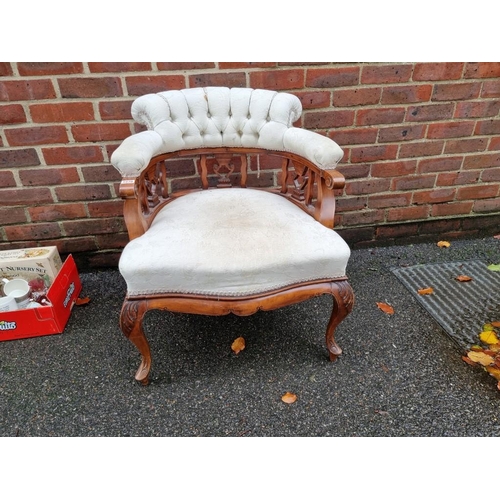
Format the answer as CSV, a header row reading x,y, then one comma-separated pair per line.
x,y
220,241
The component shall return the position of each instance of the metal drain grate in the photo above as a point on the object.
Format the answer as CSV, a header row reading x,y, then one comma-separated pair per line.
x,y
460,308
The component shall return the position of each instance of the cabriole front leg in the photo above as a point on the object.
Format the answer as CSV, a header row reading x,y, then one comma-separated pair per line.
x,y
343,301
131,318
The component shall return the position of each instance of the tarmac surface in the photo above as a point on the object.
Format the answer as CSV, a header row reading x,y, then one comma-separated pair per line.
x,y
400,375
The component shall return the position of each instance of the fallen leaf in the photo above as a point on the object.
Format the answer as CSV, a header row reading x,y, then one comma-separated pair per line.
x,y
497,236
426,291
385,307
493,371
443,244
238,345
462,277
481,358
469,361
289,398
495,324
494,267
82,301
488,327
489,337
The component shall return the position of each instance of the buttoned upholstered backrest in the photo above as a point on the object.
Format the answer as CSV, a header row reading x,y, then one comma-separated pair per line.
x,y
218,117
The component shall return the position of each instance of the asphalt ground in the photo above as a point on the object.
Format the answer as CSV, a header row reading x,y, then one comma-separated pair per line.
x,y
400,375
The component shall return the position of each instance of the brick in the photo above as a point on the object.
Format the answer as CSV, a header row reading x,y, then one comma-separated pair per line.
x,y
277,79
23,90
88,192
179,66
396,231
393,169
72,155
456,91
373,153
367,186
36,135
439,164
394,73
87,87
345,203
48,176
477,192
440,226
477,109
437,71
491,175
356,135
76,245
6,69
314,99
218,79
389,200
491,89
450,129
494,144
112,208
93,226
482,70
406,93
11,114
12,215
239,65
482,161
49,68
33,231
401,133
427,148
457,178
101,173
328,119
357,235
332,77
430,112
7,179
407,213
97,132
465,145
140,85
444,195
59,211
354,171
18,158
118,67
487,127
413,182
450,209
363,217
356,97
62,112
25,196
481,206
379,116
115,110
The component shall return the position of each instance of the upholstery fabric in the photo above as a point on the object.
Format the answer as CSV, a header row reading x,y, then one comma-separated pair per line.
x,y
220,117
231,242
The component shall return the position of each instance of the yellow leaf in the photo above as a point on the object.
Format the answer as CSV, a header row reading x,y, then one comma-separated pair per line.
x,y
385,307
489,337
480,357
443,244
462,277
238,345
289,398
493,370
426,291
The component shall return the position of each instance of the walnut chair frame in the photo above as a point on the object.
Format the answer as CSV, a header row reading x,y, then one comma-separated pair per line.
x,y
304,184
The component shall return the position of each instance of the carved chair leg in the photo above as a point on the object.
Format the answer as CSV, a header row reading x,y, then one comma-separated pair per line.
x,y
131,318
343,301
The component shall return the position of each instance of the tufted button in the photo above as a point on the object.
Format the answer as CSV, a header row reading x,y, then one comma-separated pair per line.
x,y
240,133
202,133
209,115
248,116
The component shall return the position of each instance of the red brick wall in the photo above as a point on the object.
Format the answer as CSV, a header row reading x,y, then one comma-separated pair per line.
x,y
421,142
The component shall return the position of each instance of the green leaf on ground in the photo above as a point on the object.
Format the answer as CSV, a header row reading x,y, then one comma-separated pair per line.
x,y
494,267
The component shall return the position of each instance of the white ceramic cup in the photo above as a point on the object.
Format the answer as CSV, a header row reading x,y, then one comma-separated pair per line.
x,y
8,303
19,289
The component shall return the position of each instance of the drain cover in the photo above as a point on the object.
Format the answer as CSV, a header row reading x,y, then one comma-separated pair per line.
x,y
460,308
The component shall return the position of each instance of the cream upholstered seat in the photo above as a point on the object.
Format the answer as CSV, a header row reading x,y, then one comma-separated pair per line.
x,y
214,250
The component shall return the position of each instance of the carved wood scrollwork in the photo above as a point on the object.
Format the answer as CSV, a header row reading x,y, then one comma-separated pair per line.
x,y
223,167
154,188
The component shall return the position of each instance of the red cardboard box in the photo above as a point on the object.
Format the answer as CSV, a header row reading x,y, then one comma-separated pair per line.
x,y
49,319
